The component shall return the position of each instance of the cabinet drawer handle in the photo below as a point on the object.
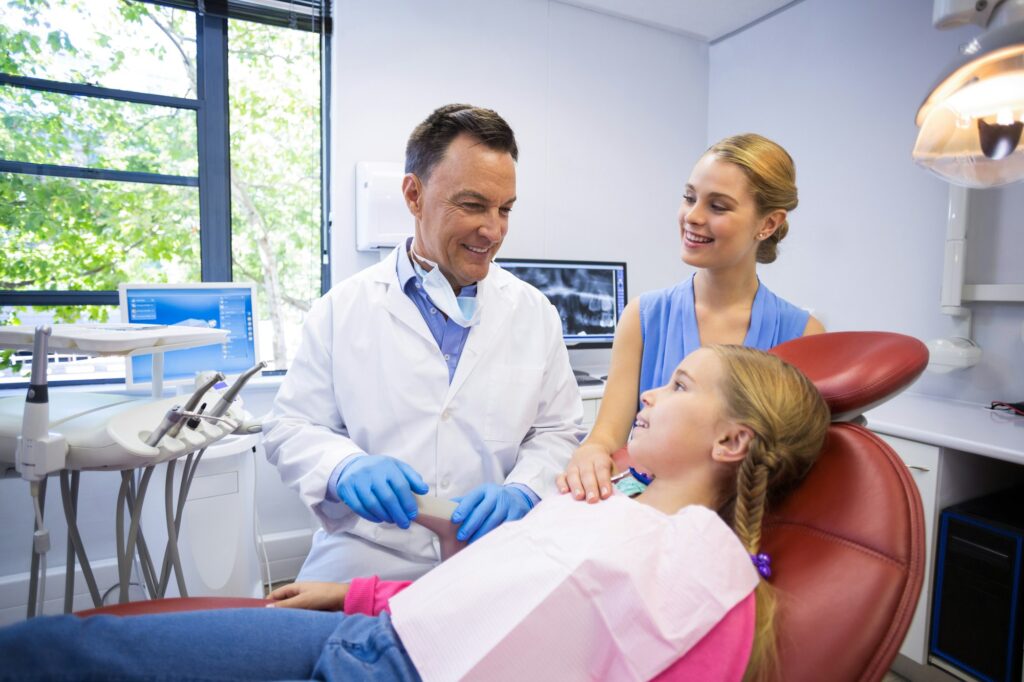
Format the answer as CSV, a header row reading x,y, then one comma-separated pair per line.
x,y
918,468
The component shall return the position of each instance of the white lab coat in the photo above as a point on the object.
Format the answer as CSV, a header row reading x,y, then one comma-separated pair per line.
x,y
369,377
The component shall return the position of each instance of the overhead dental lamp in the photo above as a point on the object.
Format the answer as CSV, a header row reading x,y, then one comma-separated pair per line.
x,y
971,121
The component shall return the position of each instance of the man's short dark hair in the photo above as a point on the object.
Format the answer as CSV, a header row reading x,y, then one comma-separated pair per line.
x,y
430,140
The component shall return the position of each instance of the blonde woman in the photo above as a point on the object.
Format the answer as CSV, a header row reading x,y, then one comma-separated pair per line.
x,y
647,578
734,213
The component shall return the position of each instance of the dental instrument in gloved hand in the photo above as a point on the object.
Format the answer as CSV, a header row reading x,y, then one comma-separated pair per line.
x,y
435,514
486,507
380,489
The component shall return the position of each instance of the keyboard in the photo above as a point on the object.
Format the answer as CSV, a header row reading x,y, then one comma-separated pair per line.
x,y
584,379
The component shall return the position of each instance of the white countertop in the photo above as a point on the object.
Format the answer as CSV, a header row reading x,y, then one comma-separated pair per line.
x,y
970,427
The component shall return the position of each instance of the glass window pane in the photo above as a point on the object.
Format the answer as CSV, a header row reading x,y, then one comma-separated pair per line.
x,y
63,233
66,130
274,107
16,367
110,43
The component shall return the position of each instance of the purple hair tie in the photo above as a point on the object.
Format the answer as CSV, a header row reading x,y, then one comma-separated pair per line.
x,y
763,564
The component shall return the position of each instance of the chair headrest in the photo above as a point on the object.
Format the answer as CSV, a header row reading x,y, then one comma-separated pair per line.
x,y
855,371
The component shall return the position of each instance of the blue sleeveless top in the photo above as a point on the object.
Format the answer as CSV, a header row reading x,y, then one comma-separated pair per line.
x,y
668,327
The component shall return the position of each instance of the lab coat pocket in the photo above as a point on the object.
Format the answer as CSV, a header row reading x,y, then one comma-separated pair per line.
x,y
513,396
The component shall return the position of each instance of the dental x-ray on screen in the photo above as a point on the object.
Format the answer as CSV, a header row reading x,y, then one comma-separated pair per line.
x,y
589,295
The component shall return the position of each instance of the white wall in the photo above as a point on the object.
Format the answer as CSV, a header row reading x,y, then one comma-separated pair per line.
x,y
838,84
608,115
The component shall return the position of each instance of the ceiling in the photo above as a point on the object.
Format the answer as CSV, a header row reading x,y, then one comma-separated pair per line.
x,y
703,19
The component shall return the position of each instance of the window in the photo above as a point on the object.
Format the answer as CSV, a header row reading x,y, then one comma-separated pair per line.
x,y
146,141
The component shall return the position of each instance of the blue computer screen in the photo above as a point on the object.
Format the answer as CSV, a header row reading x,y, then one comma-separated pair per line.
x,y
589,295
226,307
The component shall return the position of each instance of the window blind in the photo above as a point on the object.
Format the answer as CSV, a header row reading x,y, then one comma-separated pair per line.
x,y
303,15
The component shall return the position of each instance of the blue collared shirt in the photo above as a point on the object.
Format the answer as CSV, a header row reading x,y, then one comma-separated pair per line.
x,y
450,337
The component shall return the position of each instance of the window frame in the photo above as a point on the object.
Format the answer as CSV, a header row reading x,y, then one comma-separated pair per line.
x,y
213,150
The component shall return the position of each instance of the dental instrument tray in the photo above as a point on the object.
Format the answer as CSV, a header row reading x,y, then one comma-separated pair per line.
x,y
114,338
109,432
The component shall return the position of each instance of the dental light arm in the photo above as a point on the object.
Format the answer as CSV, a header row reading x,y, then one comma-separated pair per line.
x,y
39,452
232,392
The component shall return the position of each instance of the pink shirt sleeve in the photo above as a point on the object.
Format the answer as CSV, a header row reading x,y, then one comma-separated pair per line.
x,y
370,596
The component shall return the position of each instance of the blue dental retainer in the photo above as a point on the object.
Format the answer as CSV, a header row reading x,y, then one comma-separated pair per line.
x,y
631,483
643,478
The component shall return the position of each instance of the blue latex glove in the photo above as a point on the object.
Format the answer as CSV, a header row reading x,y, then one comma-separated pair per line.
x,y
379,489
486,507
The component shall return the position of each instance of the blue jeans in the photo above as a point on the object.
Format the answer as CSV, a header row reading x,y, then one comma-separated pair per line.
x,y
232,644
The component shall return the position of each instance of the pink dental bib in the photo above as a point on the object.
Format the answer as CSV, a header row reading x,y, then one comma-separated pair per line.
x,y
575,591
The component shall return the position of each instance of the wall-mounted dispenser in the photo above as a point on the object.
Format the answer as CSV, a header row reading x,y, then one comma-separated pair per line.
x,y
382,219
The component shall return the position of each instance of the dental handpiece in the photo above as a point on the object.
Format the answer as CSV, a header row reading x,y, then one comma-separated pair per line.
x,y
36,418
174,417
232,392
194,399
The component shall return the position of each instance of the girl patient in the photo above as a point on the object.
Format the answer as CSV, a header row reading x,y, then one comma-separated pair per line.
x,y
612,591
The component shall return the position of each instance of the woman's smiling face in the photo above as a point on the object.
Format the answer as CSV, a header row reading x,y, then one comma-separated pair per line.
x,y
718,219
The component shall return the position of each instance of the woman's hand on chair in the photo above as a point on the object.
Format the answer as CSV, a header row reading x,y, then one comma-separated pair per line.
x,y
589,474
314,596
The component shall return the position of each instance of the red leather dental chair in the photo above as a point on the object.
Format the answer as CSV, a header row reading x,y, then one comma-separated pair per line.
x,y
174,605
847,546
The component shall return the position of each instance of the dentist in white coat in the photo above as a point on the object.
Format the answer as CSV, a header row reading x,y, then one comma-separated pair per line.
x,y
432,372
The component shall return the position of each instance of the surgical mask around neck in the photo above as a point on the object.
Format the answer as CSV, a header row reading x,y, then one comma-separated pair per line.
x,y
462,310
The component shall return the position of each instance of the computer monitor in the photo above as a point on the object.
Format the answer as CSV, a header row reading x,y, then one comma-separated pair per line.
x,y
589,295
222,305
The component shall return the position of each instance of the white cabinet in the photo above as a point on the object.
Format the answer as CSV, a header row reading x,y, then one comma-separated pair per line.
x,y
923,462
